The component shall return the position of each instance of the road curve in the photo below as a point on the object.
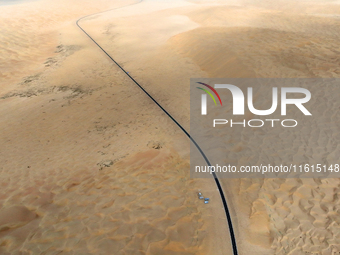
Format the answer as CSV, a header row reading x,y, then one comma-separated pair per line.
x,y
224,201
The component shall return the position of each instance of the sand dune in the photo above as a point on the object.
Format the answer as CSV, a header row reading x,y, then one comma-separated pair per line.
x,y
89,165
87,211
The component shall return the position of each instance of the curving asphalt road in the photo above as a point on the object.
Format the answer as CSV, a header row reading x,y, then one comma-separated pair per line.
x,y
224,201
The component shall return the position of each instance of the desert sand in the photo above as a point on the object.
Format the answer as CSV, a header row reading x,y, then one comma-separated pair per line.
x,y
90,165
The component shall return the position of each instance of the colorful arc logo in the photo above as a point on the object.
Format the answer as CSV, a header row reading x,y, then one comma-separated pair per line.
x,y
213,90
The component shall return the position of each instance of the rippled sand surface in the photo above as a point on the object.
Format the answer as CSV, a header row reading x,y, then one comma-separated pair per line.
x,y
89,165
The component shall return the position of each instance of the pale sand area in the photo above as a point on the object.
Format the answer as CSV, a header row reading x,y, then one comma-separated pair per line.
x,y
66,111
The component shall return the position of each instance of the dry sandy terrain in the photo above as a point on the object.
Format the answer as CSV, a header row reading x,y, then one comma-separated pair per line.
x,y
89,164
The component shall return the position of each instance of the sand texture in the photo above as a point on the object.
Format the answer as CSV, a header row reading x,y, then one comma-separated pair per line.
x,y
90,165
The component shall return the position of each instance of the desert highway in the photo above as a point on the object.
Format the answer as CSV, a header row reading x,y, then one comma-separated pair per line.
x,y
224,201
